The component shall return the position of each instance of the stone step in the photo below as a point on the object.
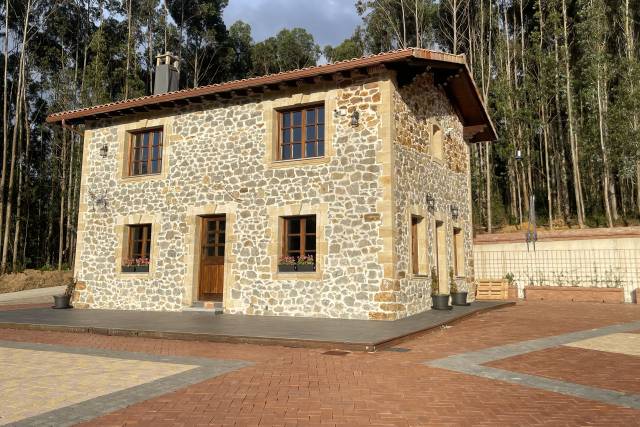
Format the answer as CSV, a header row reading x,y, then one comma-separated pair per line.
x,y
214,307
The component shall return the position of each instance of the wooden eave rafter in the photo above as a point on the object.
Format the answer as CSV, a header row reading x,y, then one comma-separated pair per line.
x,y
457,84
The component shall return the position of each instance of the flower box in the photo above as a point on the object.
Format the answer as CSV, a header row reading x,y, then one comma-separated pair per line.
x,y
306,268
286,268
135,269
575,294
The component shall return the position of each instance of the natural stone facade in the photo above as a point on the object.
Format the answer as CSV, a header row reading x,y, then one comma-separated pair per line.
x,y
419,176
218,158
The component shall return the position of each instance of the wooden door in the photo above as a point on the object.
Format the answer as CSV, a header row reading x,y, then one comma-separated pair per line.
x,y
211,284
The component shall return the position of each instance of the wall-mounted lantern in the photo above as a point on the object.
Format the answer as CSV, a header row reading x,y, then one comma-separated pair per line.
x,y
104,150
431,203
518,155
355,119
454,212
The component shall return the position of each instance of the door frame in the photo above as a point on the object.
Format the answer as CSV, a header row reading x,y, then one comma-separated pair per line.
x,y
202,221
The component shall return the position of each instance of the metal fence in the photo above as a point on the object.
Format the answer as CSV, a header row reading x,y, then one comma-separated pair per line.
x,y
619,268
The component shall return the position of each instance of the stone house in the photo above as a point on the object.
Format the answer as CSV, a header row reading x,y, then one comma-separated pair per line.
x,y
331,191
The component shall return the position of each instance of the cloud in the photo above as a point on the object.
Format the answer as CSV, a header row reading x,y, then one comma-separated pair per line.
x,y
330,21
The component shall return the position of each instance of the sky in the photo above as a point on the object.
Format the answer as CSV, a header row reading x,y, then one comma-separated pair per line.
x,y
330,21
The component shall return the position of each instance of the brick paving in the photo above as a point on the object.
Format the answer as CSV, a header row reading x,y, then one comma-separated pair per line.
x,y
594,368
93,376
304,387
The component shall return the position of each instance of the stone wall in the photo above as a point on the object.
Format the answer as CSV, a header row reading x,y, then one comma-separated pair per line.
x,y
417,106
218,159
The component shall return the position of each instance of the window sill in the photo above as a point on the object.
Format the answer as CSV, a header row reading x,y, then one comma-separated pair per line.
x,y
131,276
299,162
298,275
138,178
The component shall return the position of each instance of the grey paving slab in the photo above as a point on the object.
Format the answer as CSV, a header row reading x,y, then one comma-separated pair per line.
x,y
352,334
201,369
472,363
31,296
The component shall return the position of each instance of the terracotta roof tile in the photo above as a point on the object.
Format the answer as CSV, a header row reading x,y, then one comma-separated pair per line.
x,y
81,114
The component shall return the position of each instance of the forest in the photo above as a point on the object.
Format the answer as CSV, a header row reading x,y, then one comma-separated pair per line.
x,y
560,77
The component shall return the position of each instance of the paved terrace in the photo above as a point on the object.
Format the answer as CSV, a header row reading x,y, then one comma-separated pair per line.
x,y
359,335
533,364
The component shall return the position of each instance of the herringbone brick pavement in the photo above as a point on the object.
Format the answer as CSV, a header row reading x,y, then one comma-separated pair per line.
x,y
305,387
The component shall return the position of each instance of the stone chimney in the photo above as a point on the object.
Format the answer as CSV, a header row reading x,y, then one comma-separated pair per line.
x,y
167,73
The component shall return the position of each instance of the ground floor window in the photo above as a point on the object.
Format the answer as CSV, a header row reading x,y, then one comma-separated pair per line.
x,y
298,243
458,251
419,256
138,254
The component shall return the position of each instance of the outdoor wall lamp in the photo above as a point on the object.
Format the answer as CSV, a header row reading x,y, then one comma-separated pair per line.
x,y
104,150
454,212
518,155
355,119
431,203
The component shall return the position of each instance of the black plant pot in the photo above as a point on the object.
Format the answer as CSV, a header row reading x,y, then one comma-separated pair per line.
x,y
142,268
128,269
440,302
305,268
459,298
286,268
61,301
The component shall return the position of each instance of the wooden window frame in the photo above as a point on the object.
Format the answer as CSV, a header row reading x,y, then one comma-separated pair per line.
x,y
458,252
437,143
146,240
415,259
302,234
149,162
303,136
418,253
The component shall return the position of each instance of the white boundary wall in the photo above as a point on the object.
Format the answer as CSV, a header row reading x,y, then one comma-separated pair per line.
x,y
600,262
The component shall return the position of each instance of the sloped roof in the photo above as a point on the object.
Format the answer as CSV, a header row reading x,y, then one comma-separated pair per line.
x,y
451,71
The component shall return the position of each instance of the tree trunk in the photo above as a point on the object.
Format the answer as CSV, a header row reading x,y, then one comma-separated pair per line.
x,y
5,118
605,158
488,165
63,184
575,159
14,143
16,237
127,71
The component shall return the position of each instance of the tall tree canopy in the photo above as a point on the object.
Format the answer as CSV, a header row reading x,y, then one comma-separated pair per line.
x,y
560,77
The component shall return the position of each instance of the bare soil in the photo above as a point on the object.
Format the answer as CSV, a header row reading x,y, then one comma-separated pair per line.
x,y
34,279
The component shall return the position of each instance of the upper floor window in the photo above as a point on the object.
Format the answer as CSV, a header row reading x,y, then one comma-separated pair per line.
x,y
301,133
145,152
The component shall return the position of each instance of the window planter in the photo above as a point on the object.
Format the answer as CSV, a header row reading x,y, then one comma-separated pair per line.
x,y
576,294
135,269
300,268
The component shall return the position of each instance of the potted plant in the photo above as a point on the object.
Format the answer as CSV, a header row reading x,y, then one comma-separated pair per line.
x,y
136,265
457,297
306,263
63,300
142,265
129,265
439,301
287,264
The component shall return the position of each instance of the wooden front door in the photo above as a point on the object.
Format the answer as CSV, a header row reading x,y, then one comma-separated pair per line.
x,y
212,250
